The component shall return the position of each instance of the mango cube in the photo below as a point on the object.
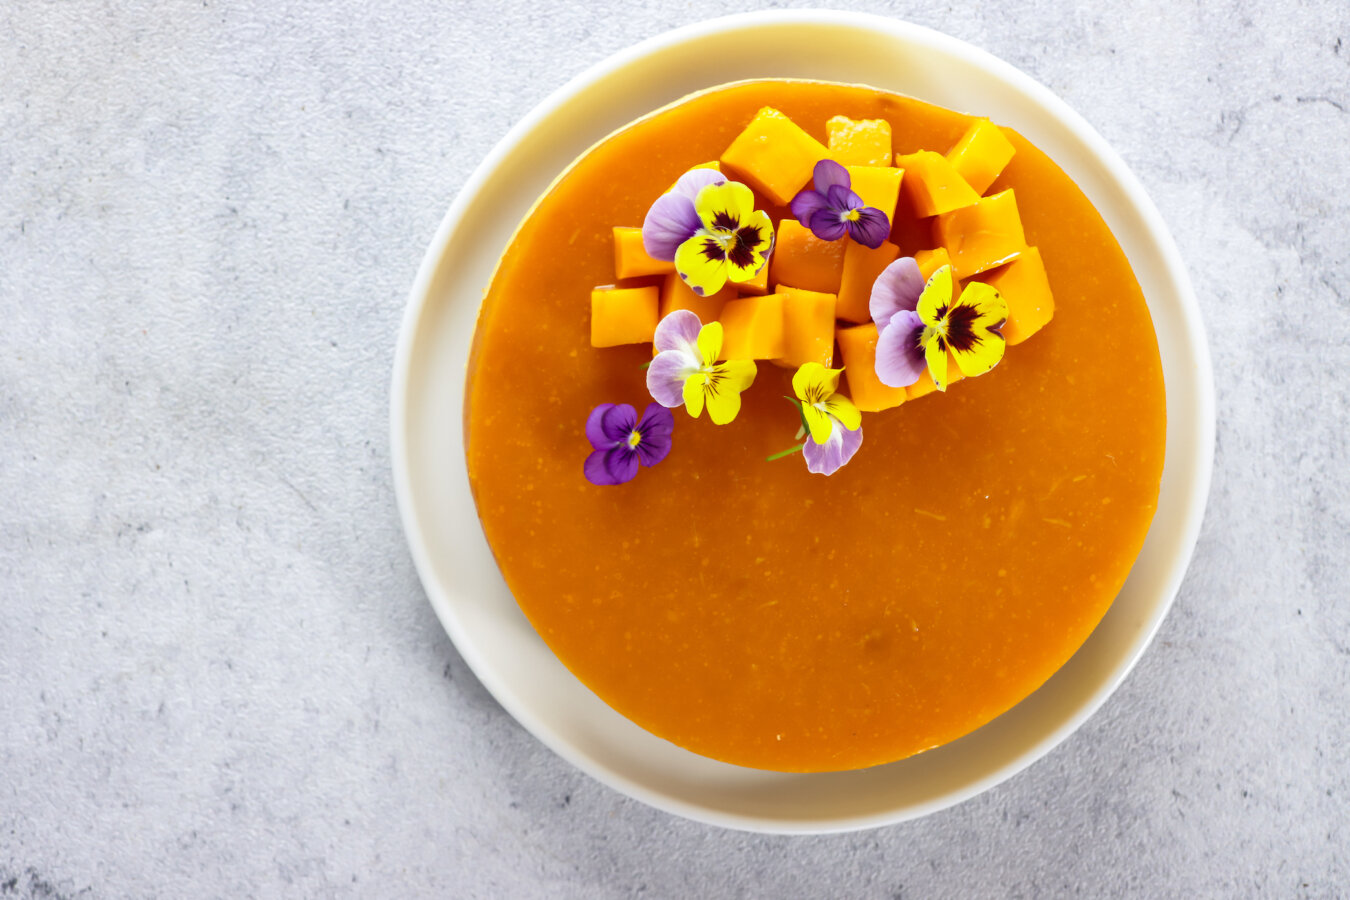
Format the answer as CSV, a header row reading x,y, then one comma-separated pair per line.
x,y
1025,286
983,235
931,260
808,327
675,294
623,315
630,256
858,346
864,142
862,265
877,186
981,154
774,155
932,183
753,328
802,260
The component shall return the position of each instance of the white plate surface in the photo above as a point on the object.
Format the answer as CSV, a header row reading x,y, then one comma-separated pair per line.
x,y
442,525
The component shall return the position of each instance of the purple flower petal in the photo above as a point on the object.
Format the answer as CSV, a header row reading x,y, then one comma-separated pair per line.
x,y
621,464
841,199
829,173
828,226
618,423
670,222
678,331
594,432
806,204
656,427
838,449
666,376
596,472
900,359
897,287
870,228
695,180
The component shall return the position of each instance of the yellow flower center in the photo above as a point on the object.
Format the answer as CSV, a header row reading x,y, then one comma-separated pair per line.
x,y
634,438
852,216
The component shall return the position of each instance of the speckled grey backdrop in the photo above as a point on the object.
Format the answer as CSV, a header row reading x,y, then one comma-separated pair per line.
x,y
218,673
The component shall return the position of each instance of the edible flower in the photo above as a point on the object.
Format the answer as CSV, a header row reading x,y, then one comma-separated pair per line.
x,y
622,441
686,373
672,219
918,329
833,424
732,243
833,210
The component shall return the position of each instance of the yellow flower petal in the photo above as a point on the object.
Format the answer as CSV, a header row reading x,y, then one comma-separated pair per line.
x,y
701,262
843,409
936,353
972,325
814,386
739,373
936,297
818,422
722,391
745,255
727,205
710,343
693,393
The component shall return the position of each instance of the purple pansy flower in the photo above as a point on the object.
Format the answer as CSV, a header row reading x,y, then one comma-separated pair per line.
x,y
894,307
833,210
621,441
672,220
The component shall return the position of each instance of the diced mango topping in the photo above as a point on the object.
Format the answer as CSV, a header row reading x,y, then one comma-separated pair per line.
x,y
675,294
802,260
981,154
931,260
808,327
752,328
858,347
774,156
623,315
864,142
983,235
862,265
933,185
877,186
630,257
1024,284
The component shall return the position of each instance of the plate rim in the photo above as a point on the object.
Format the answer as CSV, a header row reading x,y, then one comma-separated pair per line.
x,y
1172,265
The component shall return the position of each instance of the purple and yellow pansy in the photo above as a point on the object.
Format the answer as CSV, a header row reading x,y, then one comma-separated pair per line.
x,y
686,372
833,210
919,324
833,424
621,441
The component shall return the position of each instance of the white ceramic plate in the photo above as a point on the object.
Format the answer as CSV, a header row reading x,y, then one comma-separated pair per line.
x,y
442,525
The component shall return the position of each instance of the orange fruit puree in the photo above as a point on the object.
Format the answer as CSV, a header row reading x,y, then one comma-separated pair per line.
x,y
758,614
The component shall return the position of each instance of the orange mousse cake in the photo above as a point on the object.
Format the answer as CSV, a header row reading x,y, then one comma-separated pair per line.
x,y
814,426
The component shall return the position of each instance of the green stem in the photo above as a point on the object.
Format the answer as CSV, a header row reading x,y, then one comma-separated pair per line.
x,y
791,450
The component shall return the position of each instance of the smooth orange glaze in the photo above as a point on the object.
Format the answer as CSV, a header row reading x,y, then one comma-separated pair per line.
x,y
755,613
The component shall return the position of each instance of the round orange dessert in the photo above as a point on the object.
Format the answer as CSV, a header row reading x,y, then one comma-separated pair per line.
x,y
747,609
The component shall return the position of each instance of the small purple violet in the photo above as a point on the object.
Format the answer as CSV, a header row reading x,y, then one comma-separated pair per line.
x,y
621,441
833,210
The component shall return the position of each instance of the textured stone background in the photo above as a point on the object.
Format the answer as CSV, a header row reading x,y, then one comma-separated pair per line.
x,y
218,673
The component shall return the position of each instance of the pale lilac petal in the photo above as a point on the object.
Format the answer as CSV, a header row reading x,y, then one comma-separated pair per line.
x,y
871,227
621,464
841,199
838,449
656,427
828,226
829,173
806,204
618,423
594,432
670,222
900,359
666,376
678,331
695,180
596,472
897,287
